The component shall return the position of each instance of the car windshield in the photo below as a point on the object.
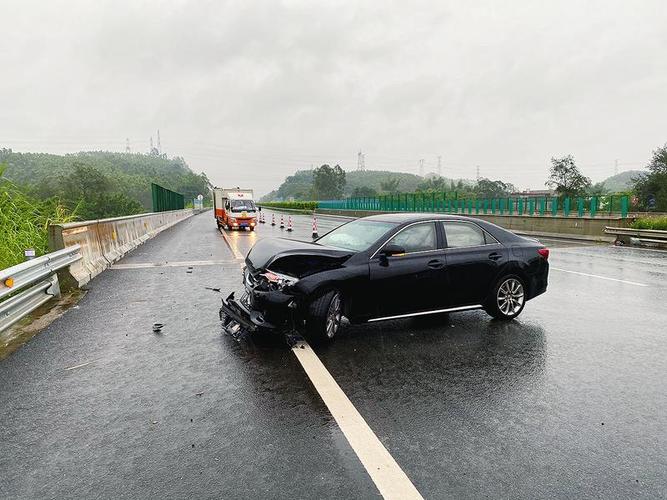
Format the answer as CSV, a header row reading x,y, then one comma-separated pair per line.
x,y
357,235
242,205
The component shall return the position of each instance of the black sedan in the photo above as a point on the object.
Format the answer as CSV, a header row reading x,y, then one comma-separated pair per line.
x,y
386,267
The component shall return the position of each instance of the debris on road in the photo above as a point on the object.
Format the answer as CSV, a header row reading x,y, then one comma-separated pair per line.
x,y
212,289
78,366
157,327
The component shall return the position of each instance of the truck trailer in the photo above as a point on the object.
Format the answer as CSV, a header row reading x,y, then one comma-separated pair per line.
x,y
234,208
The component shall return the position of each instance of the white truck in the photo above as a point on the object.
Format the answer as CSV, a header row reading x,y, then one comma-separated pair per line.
x,y
234,208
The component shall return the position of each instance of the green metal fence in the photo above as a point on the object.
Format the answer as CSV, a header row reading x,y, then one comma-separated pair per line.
x,y
442,202
164,199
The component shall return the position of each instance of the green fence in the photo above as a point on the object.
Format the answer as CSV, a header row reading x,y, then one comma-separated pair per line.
x,y
441,202
164,199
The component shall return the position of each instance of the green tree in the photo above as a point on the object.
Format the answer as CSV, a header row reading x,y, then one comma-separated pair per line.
x,y
328,183
364,192
597,189
566,179
390,185
435,183
654,183
486,188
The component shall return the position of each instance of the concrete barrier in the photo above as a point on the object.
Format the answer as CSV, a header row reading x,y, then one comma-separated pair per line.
x,y
586,228
105,241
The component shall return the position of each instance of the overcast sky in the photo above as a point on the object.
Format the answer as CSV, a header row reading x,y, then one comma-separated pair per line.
x,y
251,91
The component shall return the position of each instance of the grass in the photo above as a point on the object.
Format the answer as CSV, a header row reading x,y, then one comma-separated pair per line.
x,y
651,223
24,223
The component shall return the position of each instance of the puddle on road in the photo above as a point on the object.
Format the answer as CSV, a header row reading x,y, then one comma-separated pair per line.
x,y
19,334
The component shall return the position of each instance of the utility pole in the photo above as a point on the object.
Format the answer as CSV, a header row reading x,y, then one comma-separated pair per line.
x,y
421,167
159,148
127,145
615,167
440,166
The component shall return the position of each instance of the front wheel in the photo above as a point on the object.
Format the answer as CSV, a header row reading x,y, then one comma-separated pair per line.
x,y
324,317
507,299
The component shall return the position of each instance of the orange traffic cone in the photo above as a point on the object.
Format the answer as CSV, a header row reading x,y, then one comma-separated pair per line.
x,y
273,219
282,222
315,235
261,218
289,223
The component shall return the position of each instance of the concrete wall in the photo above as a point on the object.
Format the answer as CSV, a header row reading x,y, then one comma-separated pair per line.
x,y
105,241
587,228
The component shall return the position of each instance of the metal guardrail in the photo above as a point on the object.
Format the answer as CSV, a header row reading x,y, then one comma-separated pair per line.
x,y
653,234
39,275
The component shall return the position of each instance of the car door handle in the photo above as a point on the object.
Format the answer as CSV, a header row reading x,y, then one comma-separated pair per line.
x,y
435,264
495,256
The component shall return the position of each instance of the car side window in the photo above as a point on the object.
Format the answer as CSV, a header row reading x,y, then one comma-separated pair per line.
x,y
465,234
417,238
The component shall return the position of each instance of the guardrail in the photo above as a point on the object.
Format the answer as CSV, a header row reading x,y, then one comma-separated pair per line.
x,y
640,236
41,274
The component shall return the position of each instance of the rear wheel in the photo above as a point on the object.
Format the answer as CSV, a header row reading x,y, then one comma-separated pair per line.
x,y
324,317
508,298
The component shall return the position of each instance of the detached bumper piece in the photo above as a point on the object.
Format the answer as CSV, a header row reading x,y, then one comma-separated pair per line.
x,y
236,316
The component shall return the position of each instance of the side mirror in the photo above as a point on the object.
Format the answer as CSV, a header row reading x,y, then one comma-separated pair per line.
x,y
390,250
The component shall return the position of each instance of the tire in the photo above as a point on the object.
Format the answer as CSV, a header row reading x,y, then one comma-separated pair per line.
x,y
252,228
324,317
507,299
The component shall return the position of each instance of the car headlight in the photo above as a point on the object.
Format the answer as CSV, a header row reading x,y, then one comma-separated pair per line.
x,y
279,279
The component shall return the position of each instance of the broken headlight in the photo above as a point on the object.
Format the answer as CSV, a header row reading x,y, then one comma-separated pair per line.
x,y
279,280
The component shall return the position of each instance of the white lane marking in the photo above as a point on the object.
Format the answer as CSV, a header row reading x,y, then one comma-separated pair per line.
x,y
78,366
598,276
233,248
380,465
181,263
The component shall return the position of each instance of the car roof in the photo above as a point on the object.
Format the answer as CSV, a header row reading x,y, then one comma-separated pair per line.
x,y
403,217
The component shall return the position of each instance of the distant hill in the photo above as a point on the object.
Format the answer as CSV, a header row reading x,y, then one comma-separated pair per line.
x,y
299,185
621,182
129,173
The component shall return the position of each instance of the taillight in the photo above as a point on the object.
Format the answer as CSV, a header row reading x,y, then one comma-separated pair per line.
x,y
544,253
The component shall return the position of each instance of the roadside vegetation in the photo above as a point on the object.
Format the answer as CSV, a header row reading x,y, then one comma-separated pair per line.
x,y
293,205
659,223
24,221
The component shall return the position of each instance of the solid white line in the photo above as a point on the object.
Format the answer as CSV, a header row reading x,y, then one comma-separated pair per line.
x,y
597,276
235,250
423,313
389,478
78,366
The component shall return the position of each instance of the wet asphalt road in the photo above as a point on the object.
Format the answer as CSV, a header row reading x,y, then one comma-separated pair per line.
x,y
567,401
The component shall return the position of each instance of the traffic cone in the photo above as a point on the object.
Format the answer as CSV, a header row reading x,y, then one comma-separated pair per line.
x,y
261,218
273,219
315,235
289,223
282,222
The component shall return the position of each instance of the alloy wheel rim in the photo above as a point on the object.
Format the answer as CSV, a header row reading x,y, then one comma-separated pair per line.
x,y
510,297
333,316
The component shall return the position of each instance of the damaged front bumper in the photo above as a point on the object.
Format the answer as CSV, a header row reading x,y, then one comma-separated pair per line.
x,y
250,313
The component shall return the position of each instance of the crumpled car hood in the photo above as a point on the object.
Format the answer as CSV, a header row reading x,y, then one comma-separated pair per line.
x,y
294,258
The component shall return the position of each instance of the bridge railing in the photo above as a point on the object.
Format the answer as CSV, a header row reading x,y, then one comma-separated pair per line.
x,y
26,286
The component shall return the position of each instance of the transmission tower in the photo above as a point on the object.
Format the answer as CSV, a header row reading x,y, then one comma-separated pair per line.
x,y
127,145
615,167
421,167
159,148
361,161
478,173
151,148
440,166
